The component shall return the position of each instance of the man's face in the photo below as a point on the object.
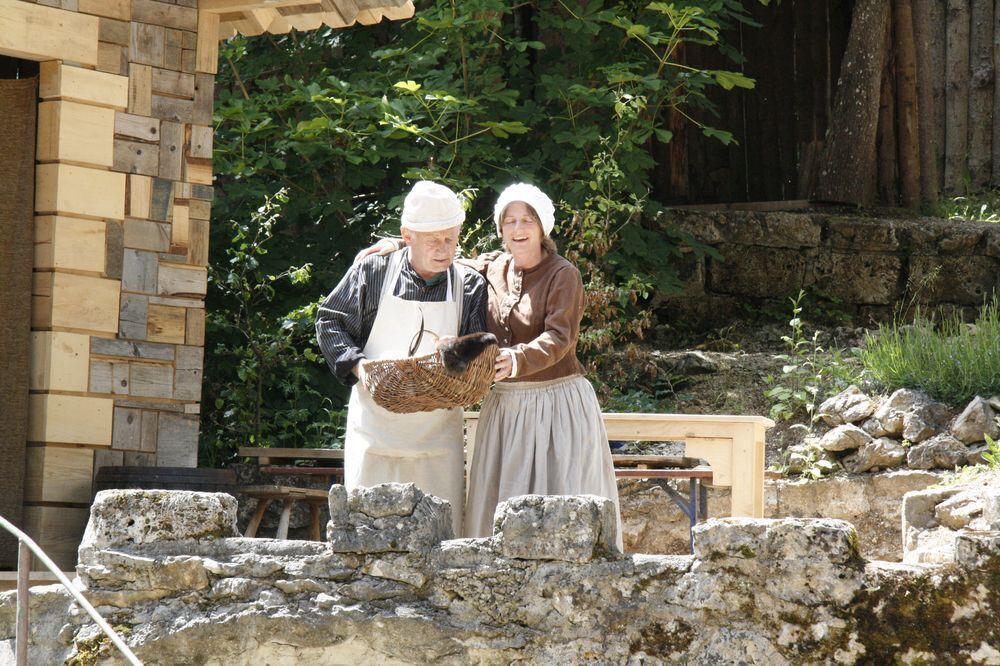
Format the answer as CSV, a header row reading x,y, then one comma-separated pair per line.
x,y
431,252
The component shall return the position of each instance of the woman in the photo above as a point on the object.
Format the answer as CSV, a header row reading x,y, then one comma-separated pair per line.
x,y
540,429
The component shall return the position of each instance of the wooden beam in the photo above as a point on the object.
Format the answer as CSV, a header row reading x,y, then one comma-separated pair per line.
x,y
58,474
65,188
35,32
207,54
70,419
65,300
75,84
59,361
74,132
69,243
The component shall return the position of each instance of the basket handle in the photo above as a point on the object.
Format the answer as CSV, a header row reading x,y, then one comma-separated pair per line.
x,y
419,335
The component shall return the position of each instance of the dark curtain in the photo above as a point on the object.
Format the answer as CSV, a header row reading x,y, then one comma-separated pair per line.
x,y
18,105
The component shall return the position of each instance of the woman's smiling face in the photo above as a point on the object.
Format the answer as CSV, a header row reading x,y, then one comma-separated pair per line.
x,y
520,228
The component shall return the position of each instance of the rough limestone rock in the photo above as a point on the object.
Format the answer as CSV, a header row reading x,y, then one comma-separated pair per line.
x,y
977,420
909,414
126,517
880,453
940,452
762,591
389,517
848,406
933,519
546,527
844,437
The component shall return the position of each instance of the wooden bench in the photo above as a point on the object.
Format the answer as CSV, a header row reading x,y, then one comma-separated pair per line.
x,y
280,462
733,446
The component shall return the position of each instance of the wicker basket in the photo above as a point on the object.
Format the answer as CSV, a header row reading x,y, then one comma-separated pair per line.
x,y
422,384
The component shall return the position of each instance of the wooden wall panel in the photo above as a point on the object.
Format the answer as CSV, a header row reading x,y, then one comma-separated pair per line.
x,y
35,32
58,474
59,361
64,300
58,530
70,419
69,243
74,132
65,188
59,81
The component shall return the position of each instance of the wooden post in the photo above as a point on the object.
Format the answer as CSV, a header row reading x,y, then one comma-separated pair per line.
x,y
848,164
929,37
981,94
21,633
907,110
957,96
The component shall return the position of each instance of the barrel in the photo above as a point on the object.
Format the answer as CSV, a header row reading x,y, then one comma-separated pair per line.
x,y
166,478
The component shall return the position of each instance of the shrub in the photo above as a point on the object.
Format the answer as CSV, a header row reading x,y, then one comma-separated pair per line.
x,y
948,359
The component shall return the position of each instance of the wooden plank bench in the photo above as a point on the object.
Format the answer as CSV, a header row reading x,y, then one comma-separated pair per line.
x,y
280,462
733,446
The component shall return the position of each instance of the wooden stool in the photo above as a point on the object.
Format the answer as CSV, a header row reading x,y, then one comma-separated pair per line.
x,y
288,495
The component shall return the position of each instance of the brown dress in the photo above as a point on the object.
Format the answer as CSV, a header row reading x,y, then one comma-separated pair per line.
x,y
540,432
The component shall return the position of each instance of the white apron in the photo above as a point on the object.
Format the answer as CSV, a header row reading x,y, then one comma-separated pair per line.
x,y
424,448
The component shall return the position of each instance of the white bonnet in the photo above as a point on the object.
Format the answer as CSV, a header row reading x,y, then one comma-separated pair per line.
x,y
431,206
532,196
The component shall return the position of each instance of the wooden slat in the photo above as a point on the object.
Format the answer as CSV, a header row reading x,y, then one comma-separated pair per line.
x,y
165,324
59,361
66,300
176,280
204,99
208,42
291,454
180,226
165,14
173,83
171,148
195,332
622,460
140,94
198,247
201,143
133,126
70,419
136,157
76,84
113,31
64,188
58,530
146,46
198,171
34,32
69,243
116,9
112,58
140,191
175,109
58,474
699,473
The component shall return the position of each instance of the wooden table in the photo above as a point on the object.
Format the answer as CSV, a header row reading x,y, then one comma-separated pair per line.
x,y
733,446
281,462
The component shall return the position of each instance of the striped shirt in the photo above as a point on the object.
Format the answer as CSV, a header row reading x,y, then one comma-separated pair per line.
x,y
345,319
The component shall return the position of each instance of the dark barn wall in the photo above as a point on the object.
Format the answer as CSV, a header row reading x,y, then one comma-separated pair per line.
x,y
779,126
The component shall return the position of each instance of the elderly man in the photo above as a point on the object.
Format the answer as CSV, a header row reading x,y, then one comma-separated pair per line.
x,y
376,312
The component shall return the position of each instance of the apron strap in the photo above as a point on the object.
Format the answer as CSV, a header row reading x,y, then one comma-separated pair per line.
x,y
392,271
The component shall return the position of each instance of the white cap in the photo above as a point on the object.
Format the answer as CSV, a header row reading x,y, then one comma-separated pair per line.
x,y
532,196
431,207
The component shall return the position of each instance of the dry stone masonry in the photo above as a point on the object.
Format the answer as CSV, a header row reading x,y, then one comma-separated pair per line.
x,y
546,588
864,263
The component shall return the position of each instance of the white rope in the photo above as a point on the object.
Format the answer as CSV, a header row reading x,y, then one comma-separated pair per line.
x,y
105,627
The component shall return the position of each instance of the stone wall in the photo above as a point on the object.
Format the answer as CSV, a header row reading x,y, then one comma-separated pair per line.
x,y
864,262
547,587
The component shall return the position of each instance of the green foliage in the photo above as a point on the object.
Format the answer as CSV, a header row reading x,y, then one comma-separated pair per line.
x,y
472,93
969,474
275,397
810,372
981,206
946,358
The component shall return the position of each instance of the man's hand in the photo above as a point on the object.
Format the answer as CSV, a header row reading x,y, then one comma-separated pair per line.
x,y
383,247
503,366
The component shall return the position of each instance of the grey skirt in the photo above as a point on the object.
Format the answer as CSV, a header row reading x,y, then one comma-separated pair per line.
x,y
541,438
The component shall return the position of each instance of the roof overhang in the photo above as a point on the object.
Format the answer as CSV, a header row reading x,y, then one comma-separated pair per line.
x,y
255,17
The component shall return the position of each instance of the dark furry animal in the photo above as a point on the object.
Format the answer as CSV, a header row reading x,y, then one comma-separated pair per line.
x,y
457,353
